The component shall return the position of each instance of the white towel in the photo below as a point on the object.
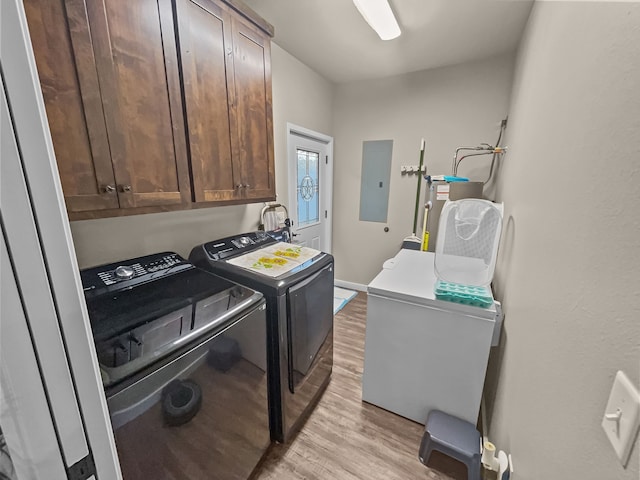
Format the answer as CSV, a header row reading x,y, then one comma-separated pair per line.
x,y
341,297
271,220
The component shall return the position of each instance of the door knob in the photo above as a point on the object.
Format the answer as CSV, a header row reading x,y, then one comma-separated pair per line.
x,y
108,188
125,188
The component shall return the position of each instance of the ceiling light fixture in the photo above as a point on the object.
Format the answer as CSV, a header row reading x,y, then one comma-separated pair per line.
x,y
379,16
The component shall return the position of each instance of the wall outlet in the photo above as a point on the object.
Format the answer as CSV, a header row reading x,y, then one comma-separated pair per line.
x,y
622,416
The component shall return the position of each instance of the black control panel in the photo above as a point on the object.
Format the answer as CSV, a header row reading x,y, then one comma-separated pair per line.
x,y
230,246
123,275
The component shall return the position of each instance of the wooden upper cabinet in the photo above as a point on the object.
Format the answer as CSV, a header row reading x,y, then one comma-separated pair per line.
x,y
66,66
136,60
204,31
253,110
226,72
152,108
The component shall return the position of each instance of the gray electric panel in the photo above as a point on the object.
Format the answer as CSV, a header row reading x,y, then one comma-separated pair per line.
x,y
374,184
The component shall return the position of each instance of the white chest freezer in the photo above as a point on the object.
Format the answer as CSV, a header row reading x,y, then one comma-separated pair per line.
x,y
422,353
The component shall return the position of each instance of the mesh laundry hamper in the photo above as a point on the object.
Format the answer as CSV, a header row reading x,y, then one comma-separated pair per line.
x,y
467,243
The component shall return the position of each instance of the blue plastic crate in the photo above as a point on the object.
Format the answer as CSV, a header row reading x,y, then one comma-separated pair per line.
x,y
465,294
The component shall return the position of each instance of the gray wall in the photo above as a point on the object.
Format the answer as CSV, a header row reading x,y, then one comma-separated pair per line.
x,y
449,107
300,96
569,263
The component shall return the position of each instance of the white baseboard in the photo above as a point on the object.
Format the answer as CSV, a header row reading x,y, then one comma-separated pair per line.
x,y
351,285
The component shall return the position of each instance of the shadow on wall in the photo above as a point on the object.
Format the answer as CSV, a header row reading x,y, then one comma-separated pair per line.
x,y
7,472
496,355
490,190
113,239
505,257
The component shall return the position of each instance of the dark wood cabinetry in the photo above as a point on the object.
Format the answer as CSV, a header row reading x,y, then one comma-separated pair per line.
x,y
204,31
148,114
135,49
252,68
226,71
66,65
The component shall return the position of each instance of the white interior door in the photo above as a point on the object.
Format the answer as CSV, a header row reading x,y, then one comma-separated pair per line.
x,y
52,406
34,454
310,187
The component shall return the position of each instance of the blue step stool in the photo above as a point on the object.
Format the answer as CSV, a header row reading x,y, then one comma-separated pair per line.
x,y
453,437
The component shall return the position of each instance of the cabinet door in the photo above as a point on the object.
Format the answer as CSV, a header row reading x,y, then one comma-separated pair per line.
x,y
136,60
62,46
205,51
253,111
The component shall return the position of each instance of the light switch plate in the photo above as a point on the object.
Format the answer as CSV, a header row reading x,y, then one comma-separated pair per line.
x,y
622,416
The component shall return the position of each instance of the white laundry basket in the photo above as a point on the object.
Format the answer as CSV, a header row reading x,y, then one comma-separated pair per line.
x,y
468,238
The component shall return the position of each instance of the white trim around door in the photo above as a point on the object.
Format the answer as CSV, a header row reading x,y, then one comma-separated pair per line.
x,y
295,136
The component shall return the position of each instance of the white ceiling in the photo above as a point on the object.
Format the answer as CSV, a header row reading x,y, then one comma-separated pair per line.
x,y
333,39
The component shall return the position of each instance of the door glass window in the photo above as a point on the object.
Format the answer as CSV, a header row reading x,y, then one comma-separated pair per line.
x,y
308,169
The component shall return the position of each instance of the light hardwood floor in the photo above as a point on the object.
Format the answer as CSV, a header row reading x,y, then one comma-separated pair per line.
x,y
345,438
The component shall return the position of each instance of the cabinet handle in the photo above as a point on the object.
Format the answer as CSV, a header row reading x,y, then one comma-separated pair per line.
x,y
229,51
125,188
246,185
239,185
108,189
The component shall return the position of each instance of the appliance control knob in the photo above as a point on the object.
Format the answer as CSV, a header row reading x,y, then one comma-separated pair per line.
x,y
124,272
244,241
